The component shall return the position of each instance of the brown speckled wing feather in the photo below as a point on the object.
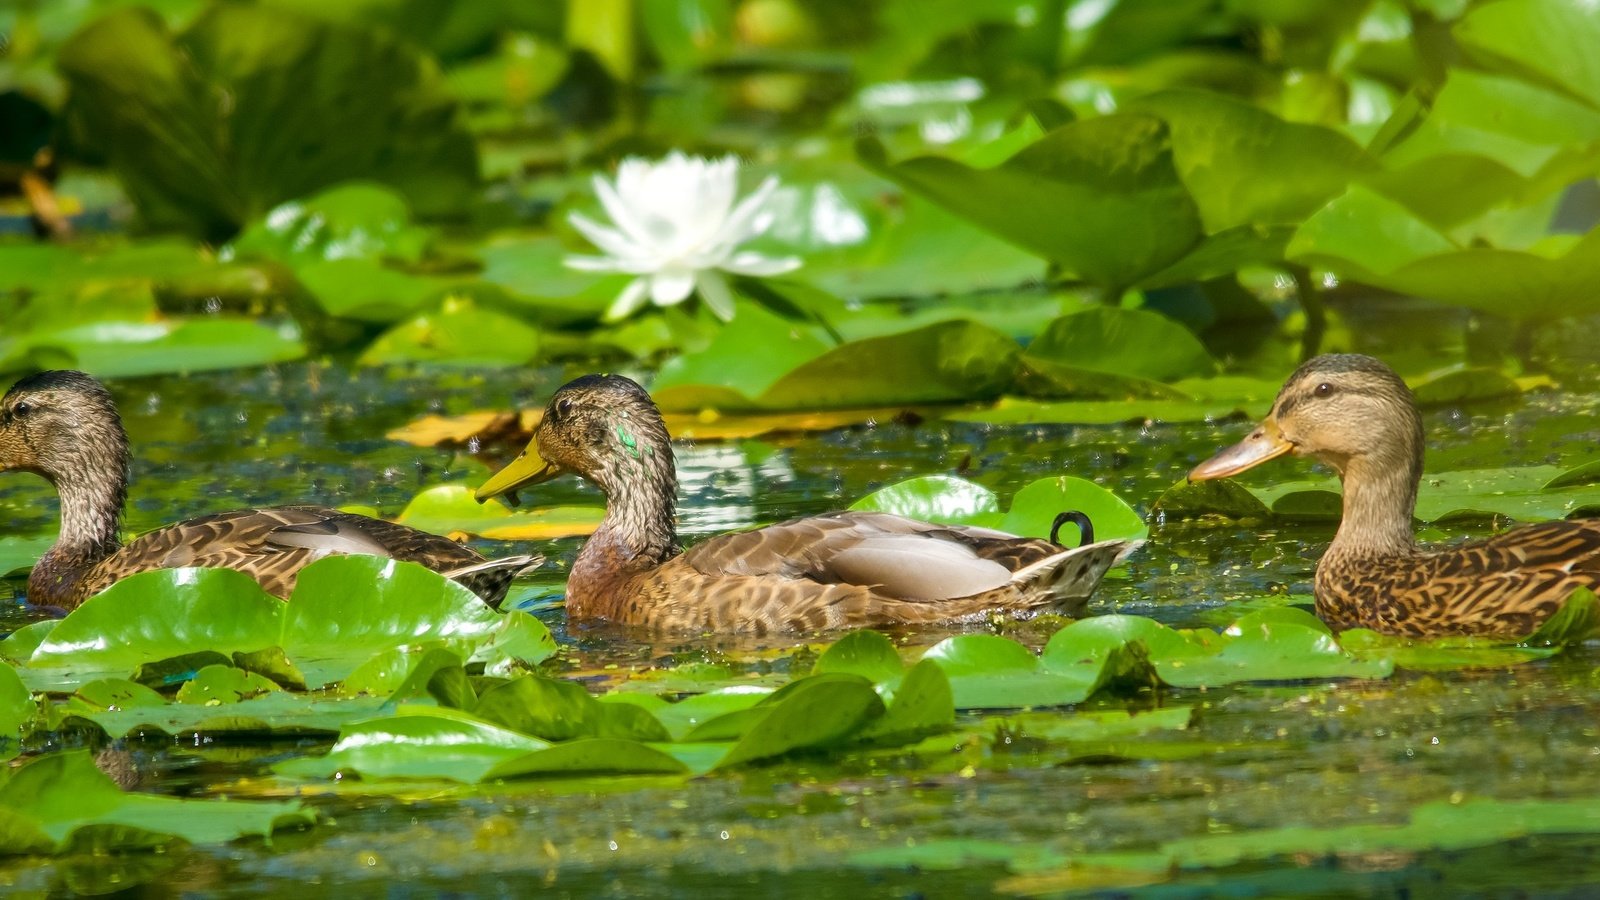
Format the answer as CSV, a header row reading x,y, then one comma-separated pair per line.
x,y
273,545
850,569
1506,585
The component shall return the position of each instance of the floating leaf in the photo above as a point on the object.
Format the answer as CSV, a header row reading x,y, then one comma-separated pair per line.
x,y
520,641
451,509
419,744
865,653
17,709
224,684
591,755
923,703
935,498
346,608
354,220
1034,509
164,613
63,801
453,335
815,712
562,710
1551,39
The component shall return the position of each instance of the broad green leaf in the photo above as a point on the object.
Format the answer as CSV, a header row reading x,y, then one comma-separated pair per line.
x,y
923,703
587,756
121,349
865,653
1552,40
1117,344
1099,196
417,745
17,709
1035,507
164,613
292,124
560,710
400,674
354,220
520,641
344,609
684,716
450,508
815,712
1246,166
1270,651
991,672
276,713
366,290
216,685
454,334
1440,654
1194,499
64,794
935,498
20,553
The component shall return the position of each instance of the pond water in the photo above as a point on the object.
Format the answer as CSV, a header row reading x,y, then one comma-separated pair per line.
x,y
943,818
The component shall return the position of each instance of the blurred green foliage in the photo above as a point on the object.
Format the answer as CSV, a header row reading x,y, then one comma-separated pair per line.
x,y
394,175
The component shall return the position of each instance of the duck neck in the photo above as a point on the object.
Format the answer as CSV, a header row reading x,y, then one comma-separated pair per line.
x,y
91,516
1380,500
641,487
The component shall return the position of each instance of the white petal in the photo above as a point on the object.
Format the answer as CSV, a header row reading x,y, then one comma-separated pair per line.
x,y
740,226
714,291
591,263
629,301
751,263
609,240
669,287
628,222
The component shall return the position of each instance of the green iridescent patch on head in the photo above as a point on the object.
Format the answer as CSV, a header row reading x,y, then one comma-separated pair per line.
x,y
628,440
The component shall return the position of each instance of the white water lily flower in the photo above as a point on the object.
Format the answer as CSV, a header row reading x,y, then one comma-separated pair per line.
x,y
676,226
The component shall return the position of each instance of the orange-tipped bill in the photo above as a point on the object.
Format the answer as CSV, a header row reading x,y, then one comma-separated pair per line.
x,y
527,469
1263,444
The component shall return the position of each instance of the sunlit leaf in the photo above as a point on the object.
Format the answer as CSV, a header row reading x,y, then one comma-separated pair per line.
x,y
164,613
935,498
451,509
215,685
815,712
419,744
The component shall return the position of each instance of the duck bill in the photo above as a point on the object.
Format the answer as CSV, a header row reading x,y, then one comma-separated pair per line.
x,y
1263,444
527,469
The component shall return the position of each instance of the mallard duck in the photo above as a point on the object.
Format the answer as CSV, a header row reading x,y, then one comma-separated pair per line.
x,y
64,426
1354,413
843,569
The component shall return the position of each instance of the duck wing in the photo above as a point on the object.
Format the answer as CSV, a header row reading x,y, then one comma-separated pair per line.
x,y
273,545
898,557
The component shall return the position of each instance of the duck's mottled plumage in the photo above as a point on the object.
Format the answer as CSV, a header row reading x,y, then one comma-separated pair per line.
x,y
64,427
1355,414
846,569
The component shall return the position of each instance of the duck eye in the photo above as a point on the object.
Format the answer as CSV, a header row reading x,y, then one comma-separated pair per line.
x,y
1323,389
563,407
22,409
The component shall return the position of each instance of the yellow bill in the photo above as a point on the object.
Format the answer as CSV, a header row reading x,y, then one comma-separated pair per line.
x,y
527,469
1262,444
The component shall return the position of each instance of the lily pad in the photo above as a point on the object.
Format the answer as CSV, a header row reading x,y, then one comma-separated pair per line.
x,y
354,220
420,744
1105,347
63,802
816,712
935,498
453,335
956,501
219,685
160,614
451,509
